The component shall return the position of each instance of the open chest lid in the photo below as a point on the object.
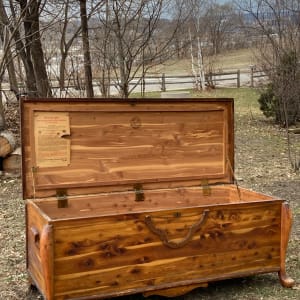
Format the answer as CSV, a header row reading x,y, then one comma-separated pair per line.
x,y
86,146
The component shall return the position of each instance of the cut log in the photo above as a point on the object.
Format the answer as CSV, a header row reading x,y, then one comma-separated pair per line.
x,y
294,130
7,143
12,163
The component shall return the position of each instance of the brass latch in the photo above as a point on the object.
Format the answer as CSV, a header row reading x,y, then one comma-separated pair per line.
x,y
206,189
62,198
34,169
139,193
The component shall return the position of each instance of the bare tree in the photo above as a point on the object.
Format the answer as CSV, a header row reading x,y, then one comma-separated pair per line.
x,y
8,29
104,50
275,25
27,42
37,54
65,43
9,32
197,27
22,44
8,57
137,39
86,50
64,37
211,28
21,35
220,21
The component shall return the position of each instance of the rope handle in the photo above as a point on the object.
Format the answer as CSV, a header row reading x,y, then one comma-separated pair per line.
x,y
162,234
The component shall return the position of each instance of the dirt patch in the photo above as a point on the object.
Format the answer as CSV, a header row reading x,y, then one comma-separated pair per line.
x,y
261,164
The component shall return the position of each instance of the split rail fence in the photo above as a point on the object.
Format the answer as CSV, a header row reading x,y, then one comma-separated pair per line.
x,y
157,83
165,82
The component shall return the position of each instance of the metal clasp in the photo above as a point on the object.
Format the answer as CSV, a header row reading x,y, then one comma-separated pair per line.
x,y
206,189
139,193
177,214
62,198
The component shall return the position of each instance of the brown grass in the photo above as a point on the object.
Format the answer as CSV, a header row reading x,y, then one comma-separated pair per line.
x,y
232,60
261,164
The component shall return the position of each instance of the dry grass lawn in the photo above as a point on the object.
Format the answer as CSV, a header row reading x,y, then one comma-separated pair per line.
x,y
233,60
261,164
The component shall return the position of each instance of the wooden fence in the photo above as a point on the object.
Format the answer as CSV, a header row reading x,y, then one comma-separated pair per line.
x,y
255,74
166,81
157,83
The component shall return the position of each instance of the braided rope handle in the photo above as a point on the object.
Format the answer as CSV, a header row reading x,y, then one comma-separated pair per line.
x,y
164,236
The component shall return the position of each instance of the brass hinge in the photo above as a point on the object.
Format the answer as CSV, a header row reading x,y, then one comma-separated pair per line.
x,y
206,189
34,169
139,193
62,198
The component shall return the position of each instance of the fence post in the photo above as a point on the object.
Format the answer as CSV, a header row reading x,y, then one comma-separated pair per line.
x,y
163,82
143,85
252,76
238,78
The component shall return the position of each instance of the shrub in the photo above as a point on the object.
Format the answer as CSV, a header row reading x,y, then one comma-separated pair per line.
x,y
269,104
281,99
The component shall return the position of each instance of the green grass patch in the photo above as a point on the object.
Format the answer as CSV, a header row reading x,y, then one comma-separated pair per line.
x,y
245,99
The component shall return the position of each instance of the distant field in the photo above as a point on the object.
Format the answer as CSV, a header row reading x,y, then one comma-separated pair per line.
x,y
238,59
235,59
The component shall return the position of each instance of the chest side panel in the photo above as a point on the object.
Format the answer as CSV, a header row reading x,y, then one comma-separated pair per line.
x,y
35,223
109,255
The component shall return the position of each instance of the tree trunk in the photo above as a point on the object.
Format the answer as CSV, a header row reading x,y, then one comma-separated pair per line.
x,y
200,65
41,77
30,79
24,51
7,56
197,86
12,73
124,88
86,50
62,68
2,117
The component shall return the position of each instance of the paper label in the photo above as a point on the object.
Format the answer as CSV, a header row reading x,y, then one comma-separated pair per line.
x,y
52,146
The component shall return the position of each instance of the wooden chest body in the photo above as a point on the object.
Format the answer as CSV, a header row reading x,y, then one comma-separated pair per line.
x,y
130,197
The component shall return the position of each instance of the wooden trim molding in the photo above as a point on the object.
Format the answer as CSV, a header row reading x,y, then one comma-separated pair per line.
x,y
286,225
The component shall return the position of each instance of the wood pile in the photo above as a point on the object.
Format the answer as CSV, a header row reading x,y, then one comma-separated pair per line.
x,y
10,156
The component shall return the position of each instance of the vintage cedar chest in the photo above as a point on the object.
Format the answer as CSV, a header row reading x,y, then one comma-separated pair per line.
x,y
138,196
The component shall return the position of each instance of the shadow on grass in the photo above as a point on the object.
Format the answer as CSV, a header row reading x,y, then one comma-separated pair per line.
x,y
250,288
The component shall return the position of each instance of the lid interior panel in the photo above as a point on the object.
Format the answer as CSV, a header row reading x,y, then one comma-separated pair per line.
x,y
68,144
